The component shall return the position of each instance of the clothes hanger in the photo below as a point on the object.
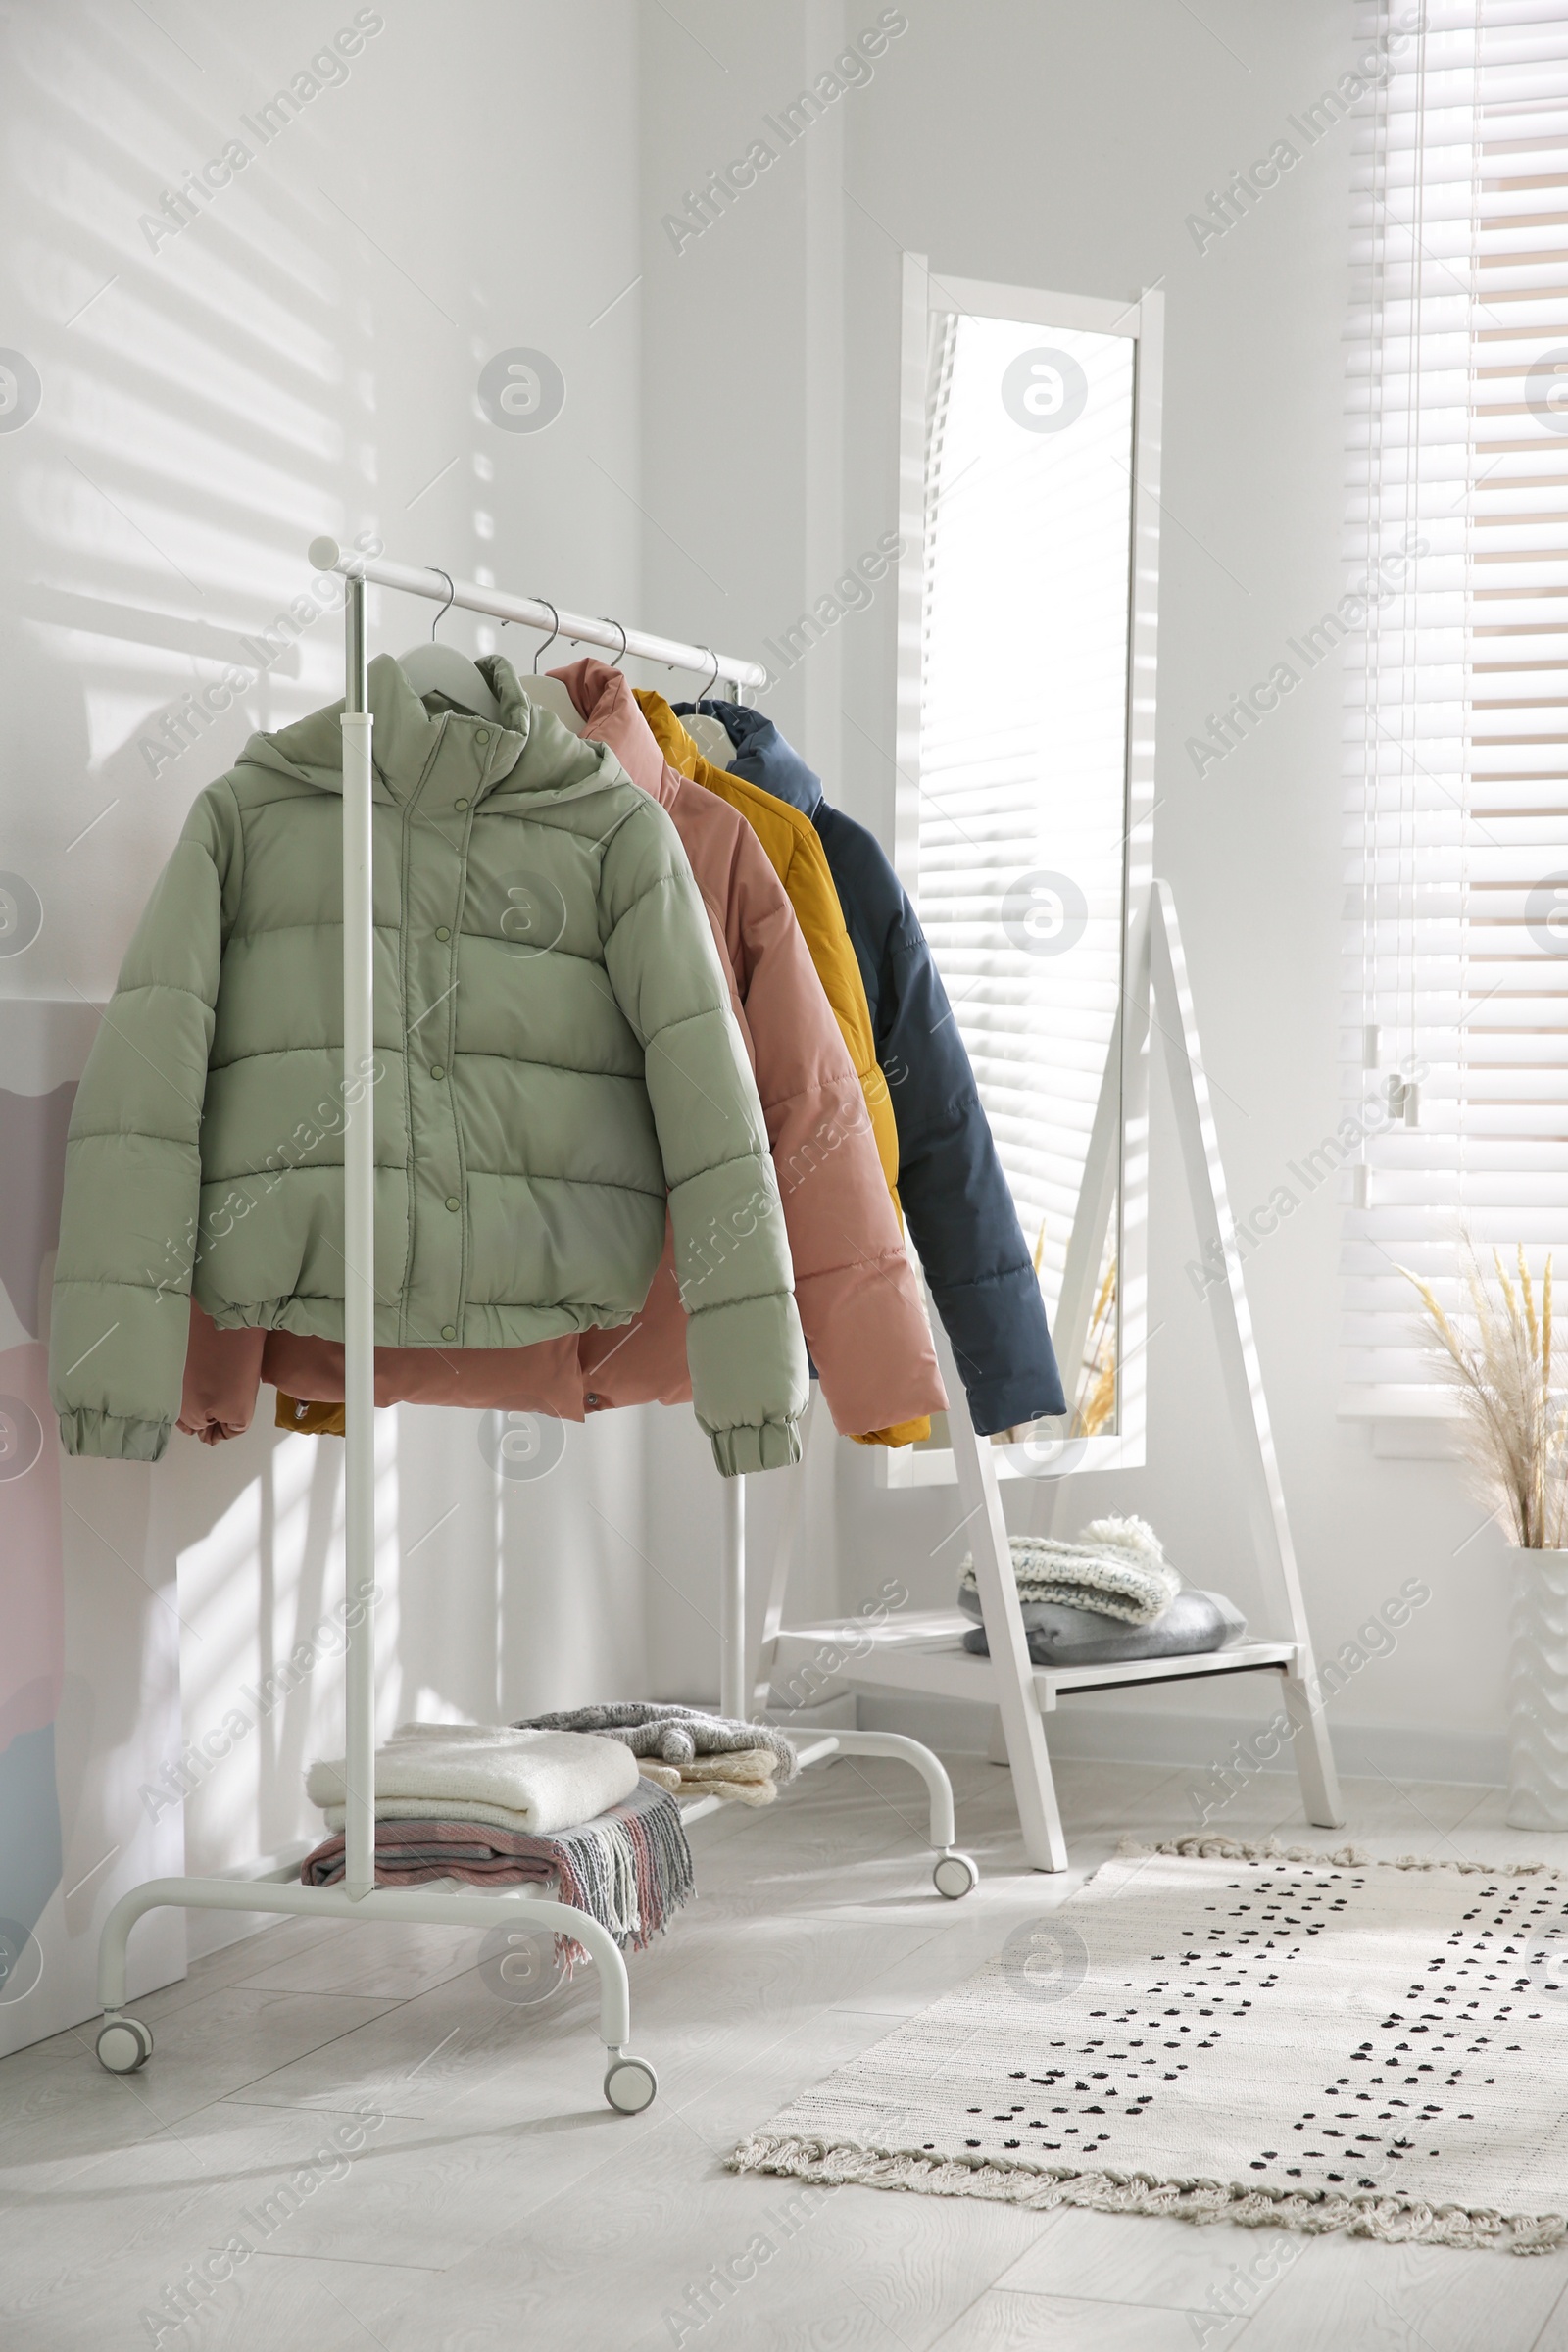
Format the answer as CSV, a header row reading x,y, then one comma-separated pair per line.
x,y
706,731
549,693
439,669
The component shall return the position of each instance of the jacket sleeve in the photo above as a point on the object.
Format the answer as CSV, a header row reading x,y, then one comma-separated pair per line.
x,y
128,1220
956,1198
222,1379
858,1296
821,919
743,1334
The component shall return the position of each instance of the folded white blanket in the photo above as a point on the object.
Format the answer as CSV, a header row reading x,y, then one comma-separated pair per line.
x,y
1116,1566
448,1808
539,1782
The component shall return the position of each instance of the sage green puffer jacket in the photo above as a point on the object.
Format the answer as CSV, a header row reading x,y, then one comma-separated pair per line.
x,y
554,1057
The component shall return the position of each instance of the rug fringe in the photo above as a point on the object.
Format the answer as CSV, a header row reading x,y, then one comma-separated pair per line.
x,y
1397,2221
1346,1857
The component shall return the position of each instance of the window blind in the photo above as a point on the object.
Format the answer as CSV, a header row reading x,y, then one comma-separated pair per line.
x,y
1456,643
1023,744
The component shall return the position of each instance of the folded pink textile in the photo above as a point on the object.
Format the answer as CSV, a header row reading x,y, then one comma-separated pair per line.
x,y
630,1867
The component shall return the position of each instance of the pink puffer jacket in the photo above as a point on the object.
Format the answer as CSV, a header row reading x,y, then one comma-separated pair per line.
x,y
859,1301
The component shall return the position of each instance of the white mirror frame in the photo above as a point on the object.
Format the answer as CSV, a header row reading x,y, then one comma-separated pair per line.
x,y
926,297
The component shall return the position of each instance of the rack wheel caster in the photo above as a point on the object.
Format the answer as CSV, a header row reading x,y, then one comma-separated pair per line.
x,y
125,2043
955,1876
630,2084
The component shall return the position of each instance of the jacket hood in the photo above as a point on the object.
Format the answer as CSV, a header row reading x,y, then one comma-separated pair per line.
x,y
529,752
763,757
673,741
604,698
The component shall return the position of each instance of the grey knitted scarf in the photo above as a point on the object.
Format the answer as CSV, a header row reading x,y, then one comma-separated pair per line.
x,y
651,1726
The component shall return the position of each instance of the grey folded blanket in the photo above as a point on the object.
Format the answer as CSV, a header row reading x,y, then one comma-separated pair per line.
x,y
651,1726
1194,1623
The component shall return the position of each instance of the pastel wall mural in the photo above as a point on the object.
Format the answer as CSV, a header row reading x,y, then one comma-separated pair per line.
x,y
89,1682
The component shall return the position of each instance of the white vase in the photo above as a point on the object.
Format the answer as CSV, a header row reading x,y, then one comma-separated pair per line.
x,y
1537,1693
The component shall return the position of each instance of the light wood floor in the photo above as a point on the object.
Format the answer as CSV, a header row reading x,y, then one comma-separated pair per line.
x,y
498,2202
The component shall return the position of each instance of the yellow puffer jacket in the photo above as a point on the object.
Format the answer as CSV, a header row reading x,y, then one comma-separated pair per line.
x,y
798,857
799,861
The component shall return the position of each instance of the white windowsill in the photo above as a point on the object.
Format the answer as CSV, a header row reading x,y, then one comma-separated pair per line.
x,y
1413,1424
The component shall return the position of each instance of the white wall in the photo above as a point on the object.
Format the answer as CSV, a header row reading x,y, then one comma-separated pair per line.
x,y
302,357
89,1663
741,421
1063,147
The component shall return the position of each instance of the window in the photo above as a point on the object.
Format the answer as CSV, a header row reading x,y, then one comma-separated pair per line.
x,y
1456,639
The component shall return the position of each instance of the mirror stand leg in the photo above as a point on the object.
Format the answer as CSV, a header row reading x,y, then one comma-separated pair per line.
x,y
1012,1671
1314,1756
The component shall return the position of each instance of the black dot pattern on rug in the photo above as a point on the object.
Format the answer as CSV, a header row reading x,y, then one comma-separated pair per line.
x,y
1390,2106
1382,2101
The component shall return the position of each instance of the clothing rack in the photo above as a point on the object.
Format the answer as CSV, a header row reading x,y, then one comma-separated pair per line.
x,y
533,612
272,1884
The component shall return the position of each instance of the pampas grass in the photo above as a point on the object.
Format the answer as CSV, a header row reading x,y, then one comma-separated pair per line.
x,y
1093,1407
1098,1407
1515,1431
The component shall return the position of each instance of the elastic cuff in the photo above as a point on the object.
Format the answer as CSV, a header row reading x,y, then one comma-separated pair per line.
x,y
309,1419
111,1439
771,1446
903,1433
995,1406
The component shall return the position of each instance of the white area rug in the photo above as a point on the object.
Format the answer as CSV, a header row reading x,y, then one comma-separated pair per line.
x,y
1230,2033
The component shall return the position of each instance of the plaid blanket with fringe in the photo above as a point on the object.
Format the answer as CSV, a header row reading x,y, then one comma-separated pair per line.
x,y
630,1868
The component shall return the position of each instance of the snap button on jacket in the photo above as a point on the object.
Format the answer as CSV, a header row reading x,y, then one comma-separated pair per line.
x,y
564,1064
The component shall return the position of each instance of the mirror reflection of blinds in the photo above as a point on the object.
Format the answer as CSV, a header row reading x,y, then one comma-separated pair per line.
x,y
1457,799
1023,744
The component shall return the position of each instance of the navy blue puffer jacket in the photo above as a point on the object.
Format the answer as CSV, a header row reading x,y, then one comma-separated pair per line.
x,y
950,1183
